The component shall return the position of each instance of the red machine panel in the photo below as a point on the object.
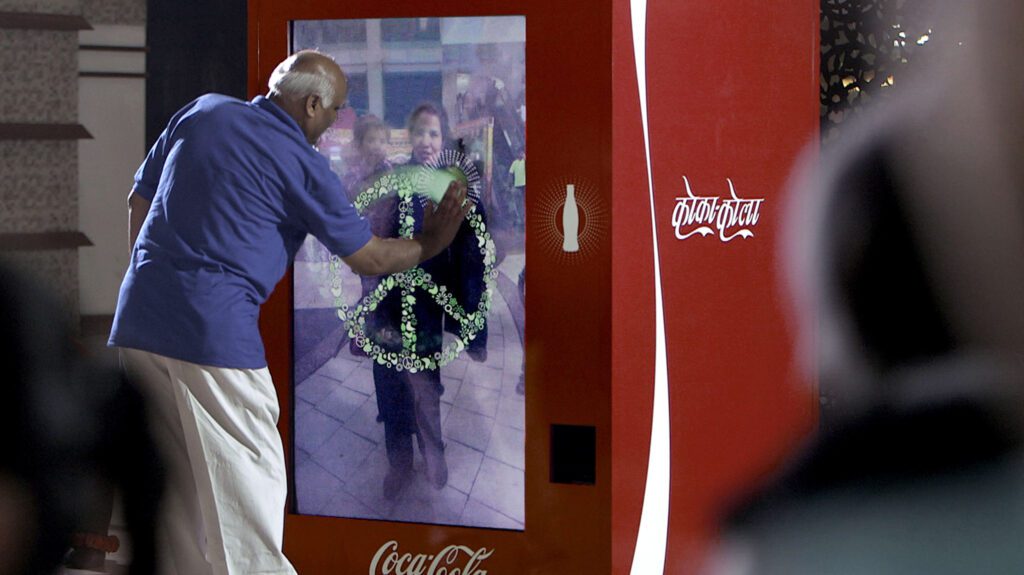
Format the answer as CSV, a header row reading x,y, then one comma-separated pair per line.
x,y
661,135
563,527
713,102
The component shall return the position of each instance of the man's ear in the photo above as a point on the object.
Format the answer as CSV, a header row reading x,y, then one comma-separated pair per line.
x,y
312,101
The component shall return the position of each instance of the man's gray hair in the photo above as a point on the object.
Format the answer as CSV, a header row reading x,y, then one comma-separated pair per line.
x,y
290,80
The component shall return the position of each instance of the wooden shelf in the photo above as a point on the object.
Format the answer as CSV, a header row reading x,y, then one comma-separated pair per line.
x,y
39,241
109,48
88,74
35,21
44,132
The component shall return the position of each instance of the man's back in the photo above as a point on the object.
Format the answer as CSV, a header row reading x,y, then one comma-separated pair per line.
x,y
234,189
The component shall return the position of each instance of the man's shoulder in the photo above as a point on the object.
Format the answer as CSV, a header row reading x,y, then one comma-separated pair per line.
x,y
220,116
213,104
206,106
213,99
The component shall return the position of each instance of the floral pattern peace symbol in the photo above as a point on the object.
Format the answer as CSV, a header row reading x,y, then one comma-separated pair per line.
x,y
416,282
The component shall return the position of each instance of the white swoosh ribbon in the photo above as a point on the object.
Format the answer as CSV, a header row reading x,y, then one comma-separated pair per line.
x,y
649,554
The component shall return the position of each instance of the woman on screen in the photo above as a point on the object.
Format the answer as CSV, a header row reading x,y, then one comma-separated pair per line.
x,y
409,403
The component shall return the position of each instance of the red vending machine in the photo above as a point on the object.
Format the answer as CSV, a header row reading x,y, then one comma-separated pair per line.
x,y
592,415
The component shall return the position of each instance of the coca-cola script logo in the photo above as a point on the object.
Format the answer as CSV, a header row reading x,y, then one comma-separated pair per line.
x,y
702,215
452,560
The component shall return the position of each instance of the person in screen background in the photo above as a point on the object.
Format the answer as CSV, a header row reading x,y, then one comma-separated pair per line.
x,y
907,263
369,157
220,207
409,403
369,162
517,172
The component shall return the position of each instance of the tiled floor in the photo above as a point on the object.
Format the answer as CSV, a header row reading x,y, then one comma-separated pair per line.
x,y
340,457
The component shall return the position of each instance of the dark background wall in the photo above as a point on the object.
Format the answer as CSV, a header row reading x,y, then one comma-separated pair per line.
x,y
195,47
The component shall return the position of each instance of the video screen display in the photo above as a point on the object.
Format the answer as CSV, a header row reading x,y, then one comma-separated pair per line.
x,y
409,388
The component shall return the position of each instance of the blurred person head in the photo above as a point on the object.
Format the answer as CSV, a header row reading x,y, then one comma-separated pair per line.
x,y
369,136
311,88
428,132
905,256
67,427
918,258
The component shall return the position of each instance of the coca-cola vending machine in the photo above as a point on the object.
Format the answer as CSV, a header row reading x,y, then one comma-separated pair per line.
x,y
593,414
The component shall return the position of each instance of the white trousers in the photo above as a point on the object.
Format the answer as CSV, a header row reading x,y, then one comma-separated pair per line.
x,y
223,509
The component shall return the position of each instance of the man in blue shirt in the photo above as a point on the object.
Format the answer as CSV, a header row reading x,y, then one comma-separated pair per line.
x,y
219,208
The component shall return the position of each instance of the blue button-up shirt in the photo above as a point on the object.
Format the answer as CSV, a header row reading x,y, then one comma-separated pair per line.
x,y
235,187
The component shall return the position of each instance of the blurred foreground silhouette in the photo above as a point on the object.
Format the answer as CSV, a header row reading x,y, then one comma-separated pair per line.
x,y
906,259
70,432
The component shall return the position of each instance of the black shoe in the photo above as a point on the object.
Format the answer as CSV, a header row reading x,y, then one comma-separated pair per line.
x,y
86,560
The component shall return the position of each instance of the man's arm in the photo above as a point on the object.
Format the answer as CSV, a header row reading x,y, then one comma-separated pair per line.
x,y
390,255
138,207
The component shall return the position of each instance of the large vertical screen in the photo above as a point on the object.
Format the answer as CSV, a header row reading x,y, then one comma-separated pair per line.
x,y
409,388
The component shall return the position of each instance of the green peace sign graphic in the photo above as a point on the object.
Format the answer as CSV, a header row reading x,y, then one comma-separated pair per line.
x,y
405,184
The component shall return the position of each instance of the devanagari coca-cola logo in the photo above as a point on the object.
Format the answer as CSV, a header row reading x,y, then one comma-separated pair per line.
x,y
452,560
732,218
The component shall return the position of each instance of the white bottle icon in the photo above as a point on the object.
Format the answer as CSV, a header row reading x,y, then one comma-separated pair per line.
x,y
570,221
